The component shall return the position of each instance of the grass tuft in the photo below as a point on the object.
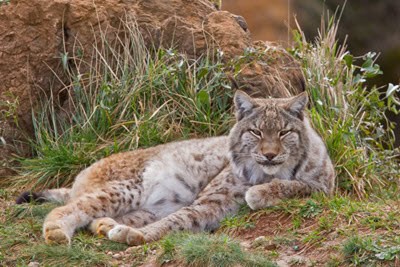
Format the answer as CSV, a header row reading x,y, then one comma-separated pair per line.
x,y
64,256
371,250
207,250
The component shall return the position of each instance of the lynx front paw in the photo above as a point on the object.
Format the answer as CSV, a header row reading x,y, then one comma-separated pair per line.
x,y
126,234
53,234
102,226
258,197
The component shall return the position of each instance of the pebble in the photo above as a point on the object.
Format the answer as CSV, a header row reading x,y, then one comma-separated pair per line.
x,y
259,239
34,264
117,256
262,241
130,250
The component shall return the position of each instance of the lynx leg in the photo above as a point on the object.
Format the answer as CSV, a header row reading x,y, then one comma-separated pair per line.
x,y
122,228
116,232
269,194
61,223
102,226
221,197
137,218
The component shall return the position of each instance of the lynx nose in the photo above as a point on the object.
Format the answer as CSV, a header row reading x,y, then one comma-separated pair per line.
x,y
270,156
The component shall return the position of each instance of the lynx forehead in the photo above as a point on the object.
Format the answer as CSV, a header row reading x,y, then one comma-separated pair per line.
x,y
134,197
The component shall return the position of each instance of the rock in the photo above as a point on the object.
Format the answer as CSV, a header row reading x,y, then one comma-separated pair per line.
x,y
259,239
130,250
117,256
295,260
34,264
263,242
35,35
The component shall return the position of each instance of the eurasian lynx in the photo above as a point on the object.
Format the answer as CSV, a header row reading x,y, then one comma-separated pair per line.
x,y
134,197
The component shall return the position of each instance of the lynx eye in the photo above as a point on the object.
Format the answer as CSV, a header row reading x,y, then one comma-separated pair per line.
x,y
284,133
256,133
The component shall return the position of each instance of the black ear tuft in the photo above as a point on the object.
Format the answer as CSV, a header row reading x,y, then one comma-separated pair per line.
x,y
297,104
244,104
28,197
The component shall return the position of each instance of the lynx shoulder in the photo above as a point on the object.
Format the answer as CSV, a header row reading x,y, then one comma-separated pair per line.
x,y
134,197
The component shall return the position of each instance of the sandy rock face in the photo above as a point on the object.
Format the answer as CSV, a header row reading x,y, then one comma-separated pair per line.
x,y
36,35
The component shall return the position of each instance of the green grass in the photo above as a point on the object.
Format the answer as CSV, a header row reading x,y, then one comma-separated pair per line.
x,y
348,113
208,250
371,250
343,230
62,256
22,242
123,101
238,221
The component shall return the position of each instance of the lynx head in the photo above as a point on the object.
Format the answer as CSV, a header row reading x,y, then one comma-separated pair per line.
x,y
267,140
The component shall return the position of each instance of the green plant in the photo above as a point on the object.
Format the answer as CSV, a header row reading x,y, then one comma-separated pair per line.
x,y
207,250
8,108
241,220
124,97
369,250
62,255
310,209
349,114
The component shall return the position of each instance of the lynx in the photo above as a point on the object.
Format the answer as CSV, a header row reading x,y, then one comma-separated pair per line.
x,y
135,197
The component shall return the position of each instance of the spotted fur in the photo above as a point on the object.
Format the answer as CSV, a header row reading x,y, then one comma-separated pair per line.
x,y
134,197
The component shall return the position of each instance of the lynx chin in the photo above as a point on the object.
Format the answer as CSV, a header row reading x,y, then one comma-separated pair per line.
x,y
271,153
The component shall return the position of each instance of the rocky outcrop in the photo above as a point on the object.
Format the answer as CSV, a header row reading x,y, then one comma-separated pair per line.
x,y
37,35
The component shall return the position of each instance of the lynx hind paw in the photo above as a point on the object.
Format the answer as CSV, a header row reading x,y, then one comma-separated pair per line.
x,y
102,226
127,235
258,198
53,234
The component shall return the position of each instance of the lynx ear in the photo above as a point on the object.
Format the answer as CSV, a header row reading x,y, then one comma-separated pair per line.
x,y
297,104
244,104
